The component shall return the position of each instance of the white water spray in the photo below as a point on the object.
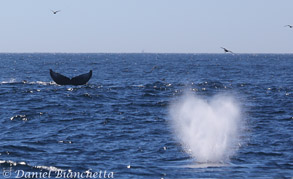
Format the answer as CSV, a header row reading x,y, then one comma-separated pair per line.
x,y
12,80
208,130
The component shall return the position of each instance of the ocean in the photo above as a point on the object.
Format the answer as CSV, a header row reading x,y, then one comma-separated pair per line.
x,y
147,116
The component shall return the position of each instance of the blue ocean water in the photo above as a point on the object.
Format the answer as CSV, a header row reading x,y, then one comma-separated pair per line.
x,y
119,122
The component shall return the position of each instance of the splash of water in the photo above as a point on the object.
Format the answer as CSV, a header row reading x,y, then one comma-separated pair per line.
x,y
207,129
12,80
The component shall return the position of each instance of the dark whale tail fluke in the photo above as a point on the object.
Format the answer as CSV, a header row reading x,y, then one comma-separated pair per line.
x,y
63,80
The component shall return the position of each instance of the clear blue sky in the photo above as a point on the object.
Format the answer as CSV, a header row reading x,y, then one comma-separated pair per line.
x,y
166,26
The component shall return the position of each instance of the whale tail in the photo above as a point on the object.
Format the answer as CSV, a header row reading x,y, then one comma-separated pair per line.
x,y
63,80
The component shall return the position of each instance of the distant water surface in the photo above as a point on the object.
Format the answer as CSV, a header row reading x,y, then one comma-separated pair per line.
x,y
119,121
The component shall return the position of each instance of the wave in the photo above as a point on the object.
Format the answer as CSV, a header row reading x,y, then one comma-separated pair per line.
x,y
11,81
22,165
14,81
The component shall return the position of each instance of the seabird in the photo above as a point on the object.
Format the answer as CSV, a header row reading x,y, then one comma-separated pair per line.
x,y
55,12
290,26
226,50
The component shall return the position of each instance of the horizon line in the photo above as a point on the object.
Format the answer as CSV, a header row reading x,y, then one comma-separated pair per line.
x,y
244,53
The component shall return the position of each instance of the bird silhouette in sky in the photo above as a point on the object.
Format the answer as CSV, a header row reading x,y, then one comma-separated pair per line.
x,y
290,26
55,12
226,50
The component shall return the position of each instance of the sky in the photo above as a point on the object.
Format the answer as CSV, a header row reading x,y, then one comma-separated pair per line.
x,y
152,26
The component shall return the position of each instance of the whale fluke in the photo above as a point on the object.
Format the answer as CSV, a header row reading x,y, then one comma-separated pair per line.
x,y
63,80
81,79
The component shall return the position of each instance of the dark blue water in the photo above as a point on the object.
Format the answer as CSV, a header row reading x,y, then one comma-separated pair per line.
x,y
119,121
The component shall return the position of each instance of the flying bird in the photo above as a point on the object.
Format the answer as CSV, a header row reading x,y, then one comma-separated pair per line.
x,y
290,26
55,12
226,50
